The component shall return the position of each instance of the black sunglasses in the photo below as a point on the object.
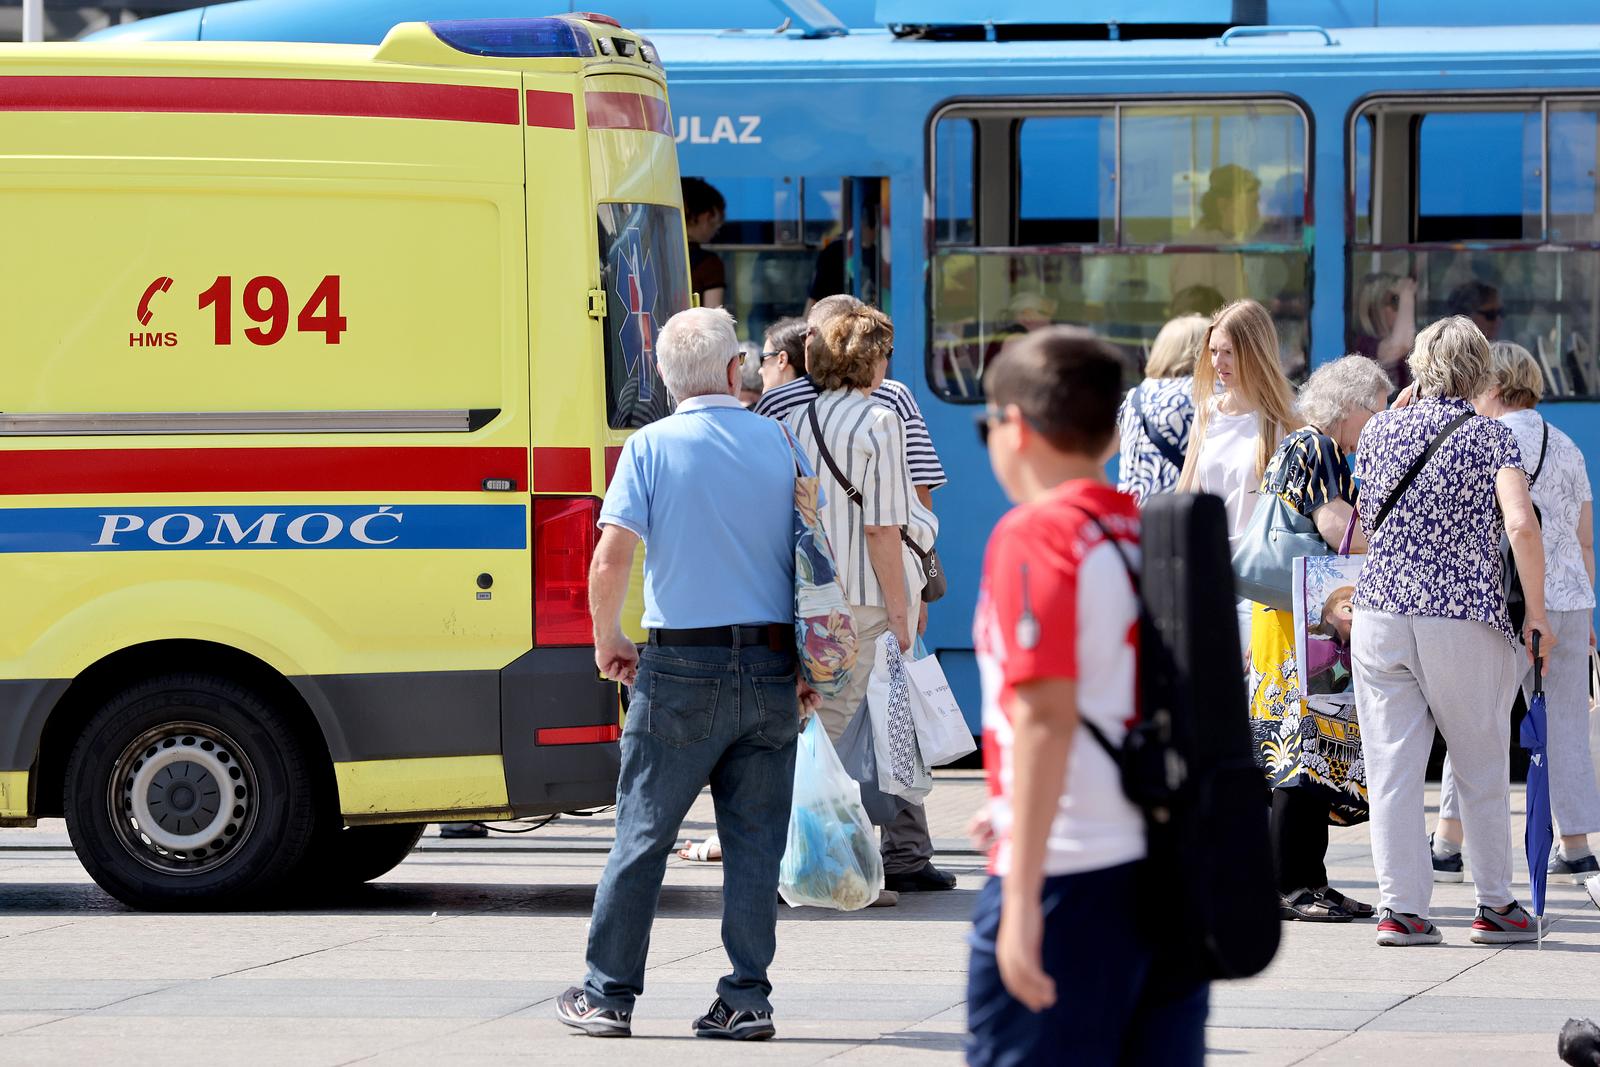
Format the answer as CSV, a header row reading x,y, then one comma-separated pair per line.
x,y
986,419
1492,313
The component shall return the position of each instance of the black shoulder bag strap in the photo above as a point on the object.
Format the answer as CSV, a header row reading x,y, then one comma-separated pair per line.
x,y
849,490
1544,446
1416,468
1168,450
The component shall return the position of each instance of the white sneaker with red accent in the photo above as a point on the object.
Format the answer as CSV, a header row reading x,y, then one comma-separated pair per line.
x,y
1397,929
1494,928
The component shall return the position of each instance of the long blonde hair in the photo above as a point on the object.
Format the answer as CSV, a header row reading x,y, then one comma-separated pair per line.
x,y
1257,374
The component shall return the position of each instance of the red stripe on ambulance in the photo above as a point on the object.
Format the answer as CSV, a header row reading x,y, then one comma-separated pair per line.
x,y
262,96
561,470
259,470
553,111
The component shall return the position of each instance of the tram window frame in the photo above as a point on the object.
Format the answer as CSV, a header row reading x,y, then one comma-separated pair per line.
x,y
1382,237
998,122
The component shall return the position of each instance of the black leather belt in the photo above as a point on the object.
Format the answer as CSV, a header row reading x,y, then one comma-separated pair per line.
x,y
775,636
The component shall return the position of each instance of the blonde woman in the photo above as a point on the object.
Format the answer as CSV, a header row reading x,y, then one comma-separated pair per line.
x,y
1153,422
1560,488
1244,406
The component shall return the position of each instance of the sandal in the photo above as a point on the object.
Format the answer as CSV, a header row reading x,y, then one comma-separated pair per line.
x,y
701,852
1307,905
1355,907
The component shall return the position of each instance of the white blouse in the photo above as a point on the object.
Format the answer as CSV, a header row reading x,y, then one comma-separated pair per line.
x,y
1559,494
1227,466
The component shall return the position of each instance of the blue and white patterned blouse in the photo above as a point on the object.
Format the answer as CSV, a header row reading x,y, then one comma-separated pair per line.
x,y
1438,553
1168,407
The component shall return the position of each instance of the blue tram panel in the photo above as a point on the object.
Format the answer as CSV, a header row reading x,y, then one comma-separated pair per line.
x,y
980,188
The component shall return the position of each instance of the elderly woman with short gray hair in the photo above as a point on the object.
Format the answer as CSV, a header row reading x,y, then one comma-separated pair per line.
x,y
1560,486
1309,473
1431,642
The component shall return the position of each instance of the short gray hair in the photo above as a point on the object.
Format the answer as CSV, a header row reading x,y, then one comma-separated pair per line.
x,y
1339,388
693,351
1451,358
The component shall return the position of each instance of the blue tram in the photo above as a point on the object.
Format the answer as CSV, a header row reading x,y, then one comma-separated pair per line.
x,y
978,176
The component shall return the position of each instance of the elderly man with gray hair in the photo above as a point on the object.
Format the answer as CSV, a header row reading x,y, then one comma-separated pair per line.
x,y
710,492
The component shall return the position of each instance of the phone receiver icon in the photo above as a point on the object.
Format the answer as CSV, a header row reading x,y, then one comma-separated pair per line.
x,y
160,285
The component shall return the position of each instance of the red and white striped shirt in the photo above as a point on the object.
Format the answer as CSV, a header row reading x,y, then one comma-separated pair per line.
x,y
1057,602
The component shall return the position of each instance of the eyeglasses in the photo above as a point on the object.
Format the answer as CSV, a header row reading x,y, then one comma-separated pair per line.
x,y
986,421
1492,314
770,355
1393,300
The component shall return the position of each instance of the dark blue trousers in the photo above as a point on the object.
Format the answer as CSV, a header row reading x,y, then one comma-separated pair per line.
x,y
1119,1001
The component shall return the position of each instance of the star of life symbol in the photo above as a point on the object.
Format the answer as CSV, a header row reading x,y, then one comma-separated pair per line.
x,y
636,289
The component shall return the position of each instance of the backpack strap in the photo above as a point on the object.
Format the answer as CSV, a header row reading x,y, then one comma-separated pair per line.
x,y
1168,450
1416,467
1114,751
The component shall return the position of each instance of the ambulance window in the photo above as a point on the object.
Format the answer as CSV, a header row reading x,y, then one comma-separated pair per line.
x,y
645,273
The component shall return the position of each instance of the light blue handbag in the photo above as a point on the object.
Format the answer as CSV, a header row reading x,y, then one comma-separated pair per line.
x,y
1263,564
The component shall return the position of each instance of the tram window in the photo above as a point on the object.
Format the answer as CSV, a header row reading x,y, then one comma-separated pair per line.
x,y
1523,267
1065,166
954,186
1226,180
1500,150
1361,165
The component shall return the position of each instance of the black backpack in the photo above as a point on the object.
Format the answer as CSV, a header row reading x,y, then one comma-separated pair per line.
x,y
1188,762
1516,600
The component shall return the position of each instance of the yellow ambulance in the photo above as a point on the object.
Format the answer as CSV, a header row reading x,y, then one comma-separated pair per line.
x,y
314,363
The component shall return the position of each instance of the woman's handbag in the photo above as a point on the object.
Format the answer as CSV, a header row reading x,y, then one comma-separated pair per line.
x,y
1263,564
934,584
824,630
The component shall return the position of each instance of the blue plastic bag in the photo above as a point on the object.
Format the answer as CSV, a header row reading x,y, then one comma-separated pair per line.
x,y
832,858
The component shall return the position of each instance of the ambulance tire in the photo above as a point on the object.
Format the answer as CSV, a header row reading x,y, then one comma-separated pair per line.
x,y
351,855
190,792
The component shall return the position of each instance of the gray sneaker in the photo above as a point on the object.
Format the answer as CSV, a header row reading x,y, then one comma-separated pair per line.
x,y
724,1021
574,1009
1396,929
1576,871
1493,928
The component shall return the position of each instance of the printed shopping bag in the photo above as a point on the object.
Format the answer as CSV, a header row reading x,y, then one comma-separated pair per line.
x,y
901,768
942,732
832,858
824,630
1594,712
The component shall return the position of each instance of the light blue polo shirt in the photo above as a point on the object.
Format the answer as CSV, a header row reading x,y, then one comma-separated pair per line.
x,y
710,490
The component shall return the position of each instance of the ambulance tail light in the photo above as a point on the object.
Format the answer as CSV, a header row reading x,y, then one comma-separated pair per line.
x,y
547,38
595,16
565,533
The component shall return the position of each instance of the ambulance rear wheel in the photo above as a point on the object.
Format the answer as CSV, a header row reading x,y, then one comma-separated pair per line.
x,y
189,791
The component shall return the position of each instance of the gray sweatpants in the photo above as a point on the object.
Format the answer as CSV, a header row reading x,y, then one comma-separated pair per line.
x,y
1574,794
907,843
1466,673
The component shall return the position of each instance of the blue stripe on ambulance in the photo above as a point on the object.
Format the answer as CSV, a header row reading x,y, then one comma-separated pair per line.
x,y
308,526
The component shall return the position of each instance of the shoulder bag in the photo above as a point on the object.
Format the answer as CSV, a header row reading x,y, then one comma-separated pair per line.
x,y
1277,534
933,580
1516,598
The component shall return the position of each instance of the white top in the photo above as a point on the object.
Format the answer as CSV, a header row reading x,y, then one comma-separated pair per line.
x,y
1559,494
868,444
1227,466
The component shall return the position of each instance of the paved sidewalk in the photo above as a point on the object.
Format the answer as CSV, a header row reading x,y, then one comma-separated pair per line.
x,y
456,955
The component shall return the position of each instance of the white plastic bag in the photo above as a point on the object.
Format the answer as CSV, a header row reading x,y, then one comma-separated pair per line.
x,y
1594,715
942,730
902,771
832,858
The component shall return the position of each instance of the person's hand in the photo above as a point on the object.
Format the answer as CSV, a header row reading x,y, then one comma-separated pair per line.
x,y
1547,637
1404,399
810,699
617,657
902,634
980,830
1017,951
1591,635
922,619
1406,289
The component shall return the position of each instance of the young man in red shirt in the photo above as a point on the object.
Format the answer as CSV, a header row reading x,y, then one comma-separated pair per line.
x,y
1063,969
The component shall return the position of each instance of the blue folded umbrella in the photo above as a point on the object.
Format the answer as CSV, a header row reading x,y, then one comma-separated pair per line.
x,y
1540,832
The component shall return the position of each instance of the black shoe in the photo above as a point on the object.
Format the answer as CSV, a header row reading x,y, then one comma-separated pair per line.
x,y
721,1020
463,829
925,879
1307,905
574,1009
1446,868
1577,871
1355,907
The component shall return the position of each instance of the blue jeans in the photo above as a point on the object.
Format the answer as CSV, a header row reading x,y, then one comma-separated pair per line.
x,y
728,716
1118,1002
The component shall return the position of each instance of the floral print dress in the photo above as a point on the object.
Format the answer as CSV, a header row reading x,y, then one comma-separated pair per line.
x,y
1290,745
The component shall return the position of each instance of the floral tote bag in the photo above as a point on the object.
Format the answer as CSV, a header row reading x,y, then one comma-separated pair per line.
x,y
824,631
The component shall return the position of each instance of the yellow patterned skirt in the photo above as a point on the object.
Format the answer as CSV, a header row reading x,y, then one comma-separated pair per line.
x,y
1296,747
